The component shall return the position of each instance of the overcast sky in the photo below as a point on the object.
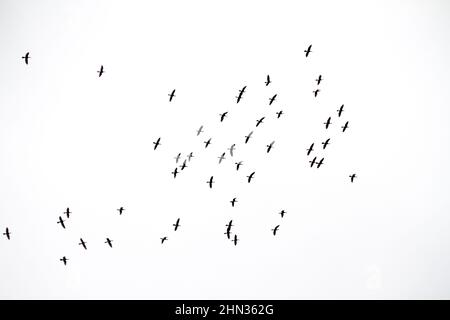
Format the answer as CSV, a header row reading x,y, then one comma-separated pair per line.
x,y
69,138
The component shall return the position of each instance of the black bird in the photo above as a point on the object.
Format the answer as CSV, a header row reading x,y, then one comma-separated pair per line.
x,y
222,157
327,124
64,260
311,148
200,130
271,100
325,144
7,234
176,224
101,71
61,221
229,225
352,177
210,182
183,166
320,163
171,95
163,239
157,143
268,80
316,92
222,116
270,146
175,172
83,243
241,92
121,210
207,143
109,242
279,113
26,57
340,110
190,156
233,202
344,127
319,79
238,164
282,212
247,138
308,51
235,240
231,149
67,212
258,122
313,162
177,158
274,230
250,177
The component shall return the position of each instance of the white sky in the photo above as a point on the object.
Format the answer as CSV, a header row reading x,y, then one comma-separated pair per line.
x,y
71,139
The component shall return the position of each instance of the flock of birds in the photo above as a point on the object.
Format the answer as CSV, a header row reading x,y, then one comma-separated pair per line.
x,y
182,165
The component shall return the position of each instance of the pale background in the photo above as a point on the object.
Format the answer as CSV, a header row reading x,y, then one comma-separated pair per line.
x,y
69,138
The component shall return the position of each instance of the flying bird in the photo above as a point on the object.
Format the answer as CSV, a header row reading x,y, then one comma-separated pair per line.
x,y
229,225
177,158
61,221
340,110
238,165
222,116
26,57
157,143
101,71
171,95
175,172
310,149
67,212
176,224
121,210
279,113
109,242
235,240
268,80
258,122
183,166
344,127
352,177
316,92
83,243
231,149
190,156
307,51
281,213
221,158
327,124
247,137
64,260
325,144
233,202
270,146
207,143
320,163
241,92
274,230
163,239
319,79
7,234
313,162
200,130
250,177
271,100
210,182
